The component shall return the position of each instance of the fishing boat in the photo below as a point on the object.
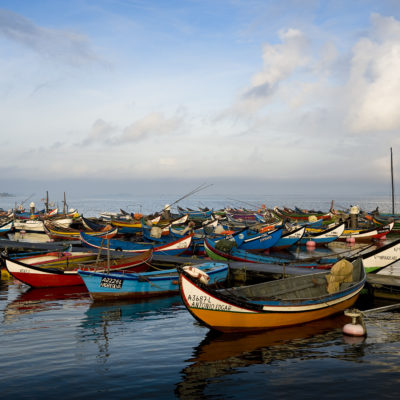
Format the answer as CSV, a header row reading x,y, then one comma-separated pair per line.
x,y
29,225
366,235
323,237
59,233
55,258
381,257
225,253
173,248
373,258
42,276
289,238
195,214
6,227
261,241
302,215
274,304
117,286
384,219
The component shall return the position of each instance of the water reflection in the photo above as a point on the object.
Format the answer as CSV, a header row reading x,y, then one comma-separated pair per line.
x,y
38,300
103,319
223,354
100,312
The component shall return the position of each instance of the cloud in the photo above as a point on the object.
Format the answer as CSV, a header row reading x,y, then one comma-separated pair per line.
x,y
150,126
154,124
68,47
168,162
280,61
100,133
374,82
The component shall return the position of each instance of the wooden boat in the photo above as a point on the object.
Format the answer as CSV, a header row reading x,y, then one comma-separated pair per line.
x,y
274,304
173,248
58,233
29,225
366,235
195,214
234,254
117,286
325,236
261,241
383,219
382,257
6,227
92,225
303,215
127,226
200,234
289,238
34,215
40,276
55,258
373,260
134,226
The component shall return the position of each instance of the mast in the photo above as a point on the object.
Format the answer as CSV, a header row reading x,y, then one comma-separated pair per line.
x,y
391,169
47,202
65,204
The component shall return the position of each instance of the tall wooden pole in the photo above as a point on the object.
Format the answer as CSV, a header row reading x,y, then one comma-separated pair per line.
x,y
391,169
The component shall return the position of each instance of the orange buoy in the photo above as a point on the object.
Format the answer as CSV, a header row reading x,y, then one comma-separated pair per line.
x,y
310,243
350,240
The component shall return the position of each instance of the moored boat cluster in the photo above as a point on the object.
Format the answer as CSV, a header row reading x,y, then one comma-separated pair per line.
x,y
129,255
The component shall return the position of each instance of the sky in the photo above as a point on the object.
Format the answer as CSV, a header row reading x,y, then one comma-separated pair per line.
x,y
257,96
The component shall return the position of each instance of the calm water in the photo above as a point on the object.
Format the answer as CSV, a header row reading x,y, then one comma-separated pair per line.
x,y
59,344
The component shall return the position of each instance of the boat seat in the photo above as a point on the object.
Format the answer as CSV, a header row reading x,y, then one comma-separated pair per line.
x,y
310,289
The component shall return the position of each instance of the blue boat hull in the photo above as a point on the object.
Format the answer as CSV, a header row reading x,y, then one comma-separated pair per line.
x,y
261,242
147,284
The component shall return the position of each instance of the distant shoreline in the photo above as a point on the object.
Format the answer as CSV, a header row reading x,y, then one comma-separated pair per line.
x,y
4,194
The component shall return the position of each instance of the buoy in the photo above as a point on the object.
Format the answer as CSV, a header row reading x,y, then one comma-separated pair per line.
x,y
357,326
310,243
350,240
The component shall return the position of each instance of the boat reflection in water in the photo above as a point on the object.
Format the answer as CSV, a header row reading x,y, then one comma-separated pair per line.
x,y
108,322
127,310
37,300
224,354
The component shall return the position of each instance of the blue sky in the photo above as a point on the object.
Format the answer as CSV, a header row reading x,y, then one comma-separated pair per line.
x,y
274,96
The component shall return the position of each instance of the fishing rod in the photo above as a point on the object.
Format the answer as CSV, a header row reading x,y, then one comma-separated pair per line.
x,y
245,202
197,189
29,197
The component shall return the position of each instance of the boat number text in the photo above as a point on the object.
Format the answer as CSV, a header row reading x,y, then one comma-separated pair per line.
x,y
206,303
112,283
